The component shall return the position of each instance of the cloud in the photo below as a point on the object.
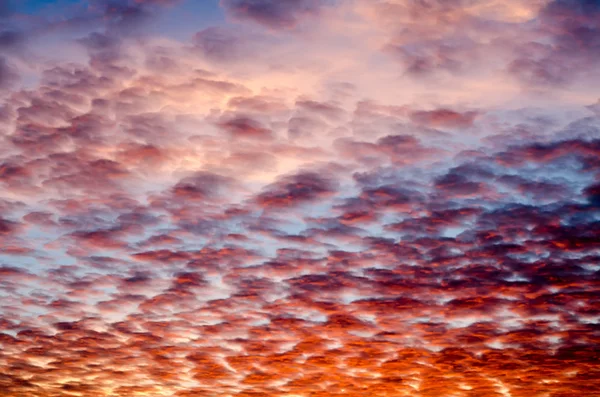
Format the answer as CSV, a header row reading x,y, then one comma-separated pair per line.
x,y
221,44
304,187
572,32
444,118
245,127
11,39
200,186
364,198
8,74
275,15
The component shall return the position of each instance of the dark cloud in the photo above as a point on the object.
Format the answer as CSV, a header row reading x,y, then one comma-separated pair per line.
x,y
401,149
8,74
221,44
304,187
327,110
245,127
201,186
570,51
283,14
426,59
127,16
457,184
444,118
10,39
98,41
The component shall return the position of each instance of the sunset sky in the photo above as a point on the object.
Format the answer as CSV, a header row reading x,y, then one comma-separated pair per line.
x,y
299,198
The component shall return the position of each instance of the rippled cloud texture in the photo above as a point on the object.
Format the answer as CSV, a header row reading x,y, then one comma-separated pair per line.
x,y
271,198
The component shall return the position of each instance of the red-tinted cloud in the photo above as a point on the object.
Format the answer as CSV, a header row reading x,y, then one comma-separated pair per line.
x,y
292,211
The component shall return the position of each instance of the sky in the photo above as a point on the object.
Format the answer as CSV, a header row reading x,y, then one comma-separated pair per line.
x,y
299,198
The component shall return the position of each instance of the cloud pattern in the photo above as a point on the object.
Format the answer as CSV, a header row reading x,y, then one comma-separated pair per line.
x,y
308,198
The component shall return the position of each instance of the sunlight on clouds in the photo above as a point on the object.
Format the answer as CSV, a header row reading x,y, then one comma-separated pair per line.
x,y
299,198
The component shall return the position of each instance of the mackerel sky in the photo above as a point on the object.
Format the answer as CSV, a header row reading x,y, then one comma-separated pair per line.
x,y
299,198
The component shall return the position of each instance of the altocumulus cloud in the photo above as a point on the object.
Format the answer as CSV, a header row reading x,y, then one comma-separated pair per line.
x,y
300,198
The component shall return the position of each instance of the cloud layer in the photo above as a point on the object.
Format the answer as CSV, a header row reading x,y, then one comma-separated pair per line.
x,y
301,198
